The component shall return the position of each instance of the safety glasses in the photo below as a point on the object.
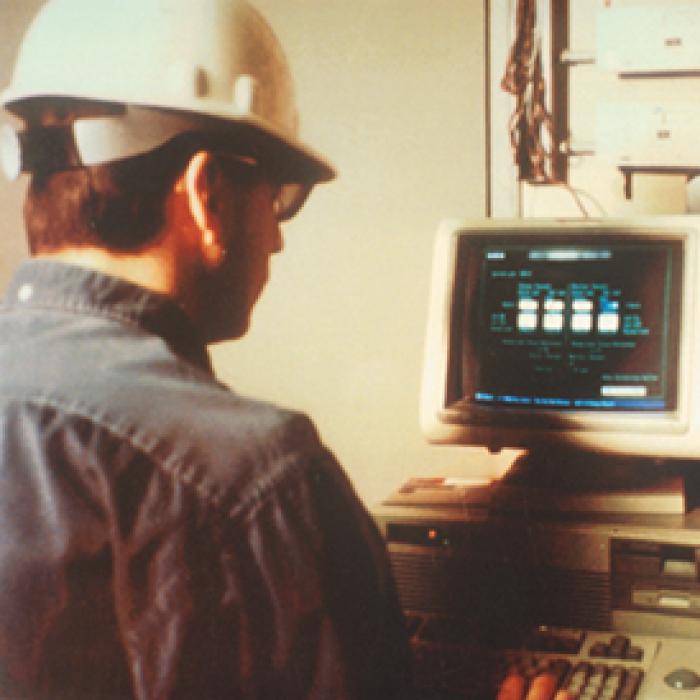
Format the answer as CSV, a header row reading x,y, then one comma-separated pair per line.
x,y
289,196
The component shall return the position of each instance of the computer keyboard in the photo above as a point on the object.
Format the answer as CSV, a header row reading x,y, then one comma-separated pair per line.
x,y
584,680
600,682
603,673
454,663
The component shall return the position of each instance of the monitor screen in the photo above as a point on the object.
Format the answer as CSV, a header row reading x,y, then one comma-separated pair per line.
x,y
551,331
589,326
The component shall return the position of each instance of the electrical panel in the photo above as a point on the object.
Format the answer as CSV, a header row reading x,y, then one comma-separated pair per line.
x,y
649,39
649,135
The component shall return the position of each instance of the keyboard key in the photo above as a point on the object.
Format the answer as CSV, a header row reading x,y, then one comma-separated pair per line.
x,y
599,649
618,647
634,654
631,684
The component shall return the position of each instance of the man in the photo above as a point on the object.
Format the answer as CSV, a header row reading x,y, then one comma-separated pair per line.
x,y
160,536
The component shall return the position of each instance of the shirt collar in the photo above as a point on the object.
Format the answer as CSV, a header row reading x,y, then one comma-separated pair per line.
x,y
49,284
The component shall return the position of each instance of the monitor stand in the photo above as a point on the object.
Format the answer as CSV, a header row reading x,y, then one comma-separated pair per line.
x,y
569,480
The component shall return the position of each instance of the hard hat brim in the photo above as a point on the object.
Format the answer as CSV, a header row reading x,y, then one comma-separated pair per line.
x,y
137,129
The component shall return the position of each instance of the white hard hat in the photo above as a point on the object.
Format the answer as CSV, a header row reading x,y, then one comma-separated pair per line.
x,y
176,65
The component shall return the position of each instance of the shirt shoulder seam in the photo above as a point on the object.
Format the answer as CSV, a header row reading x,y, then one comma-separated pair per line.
x,y
191,474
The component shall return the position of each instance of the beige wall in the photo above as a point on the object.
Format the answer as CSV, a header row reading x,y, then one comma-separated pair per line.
x,y
392,91
14,17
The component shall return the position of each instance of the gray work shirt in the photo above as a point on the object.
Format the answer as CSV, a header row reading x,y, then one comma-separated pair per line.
x,y
162,537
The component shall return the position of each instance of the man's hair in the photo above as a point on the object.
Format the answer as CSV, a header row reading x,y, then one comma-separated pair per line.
x,y
119,206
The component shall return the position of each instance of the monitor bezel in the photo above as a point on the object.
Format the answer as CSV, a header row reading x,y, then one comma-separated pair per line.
x,y
651,433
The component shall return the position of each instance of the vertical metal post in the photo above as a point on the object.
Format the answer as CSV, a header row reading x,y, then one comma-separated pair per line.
x,y
558,84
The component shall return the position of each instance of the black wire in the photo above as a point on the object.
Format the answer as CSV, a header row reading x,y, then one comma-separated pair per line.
x,y
523,78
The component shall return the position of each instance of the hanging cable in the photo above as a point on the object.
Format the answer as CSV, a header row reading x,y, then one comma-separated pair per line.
x,y
530,121
524,79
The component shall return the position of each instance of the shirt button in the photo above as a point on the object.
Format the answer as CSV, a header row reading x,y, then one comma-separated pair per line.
x,y
25,292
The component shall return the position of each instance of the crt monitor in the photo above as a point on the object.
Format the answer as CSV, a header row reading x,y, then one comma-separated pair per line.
x,y
579,333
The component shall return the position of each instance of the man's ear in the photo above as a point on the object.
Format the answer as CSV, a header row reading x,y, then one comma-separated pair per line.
x,y
197,183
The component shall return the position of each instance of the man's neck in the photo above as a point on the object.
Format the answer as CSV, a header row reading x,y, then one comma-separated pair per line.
x,y
147,270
